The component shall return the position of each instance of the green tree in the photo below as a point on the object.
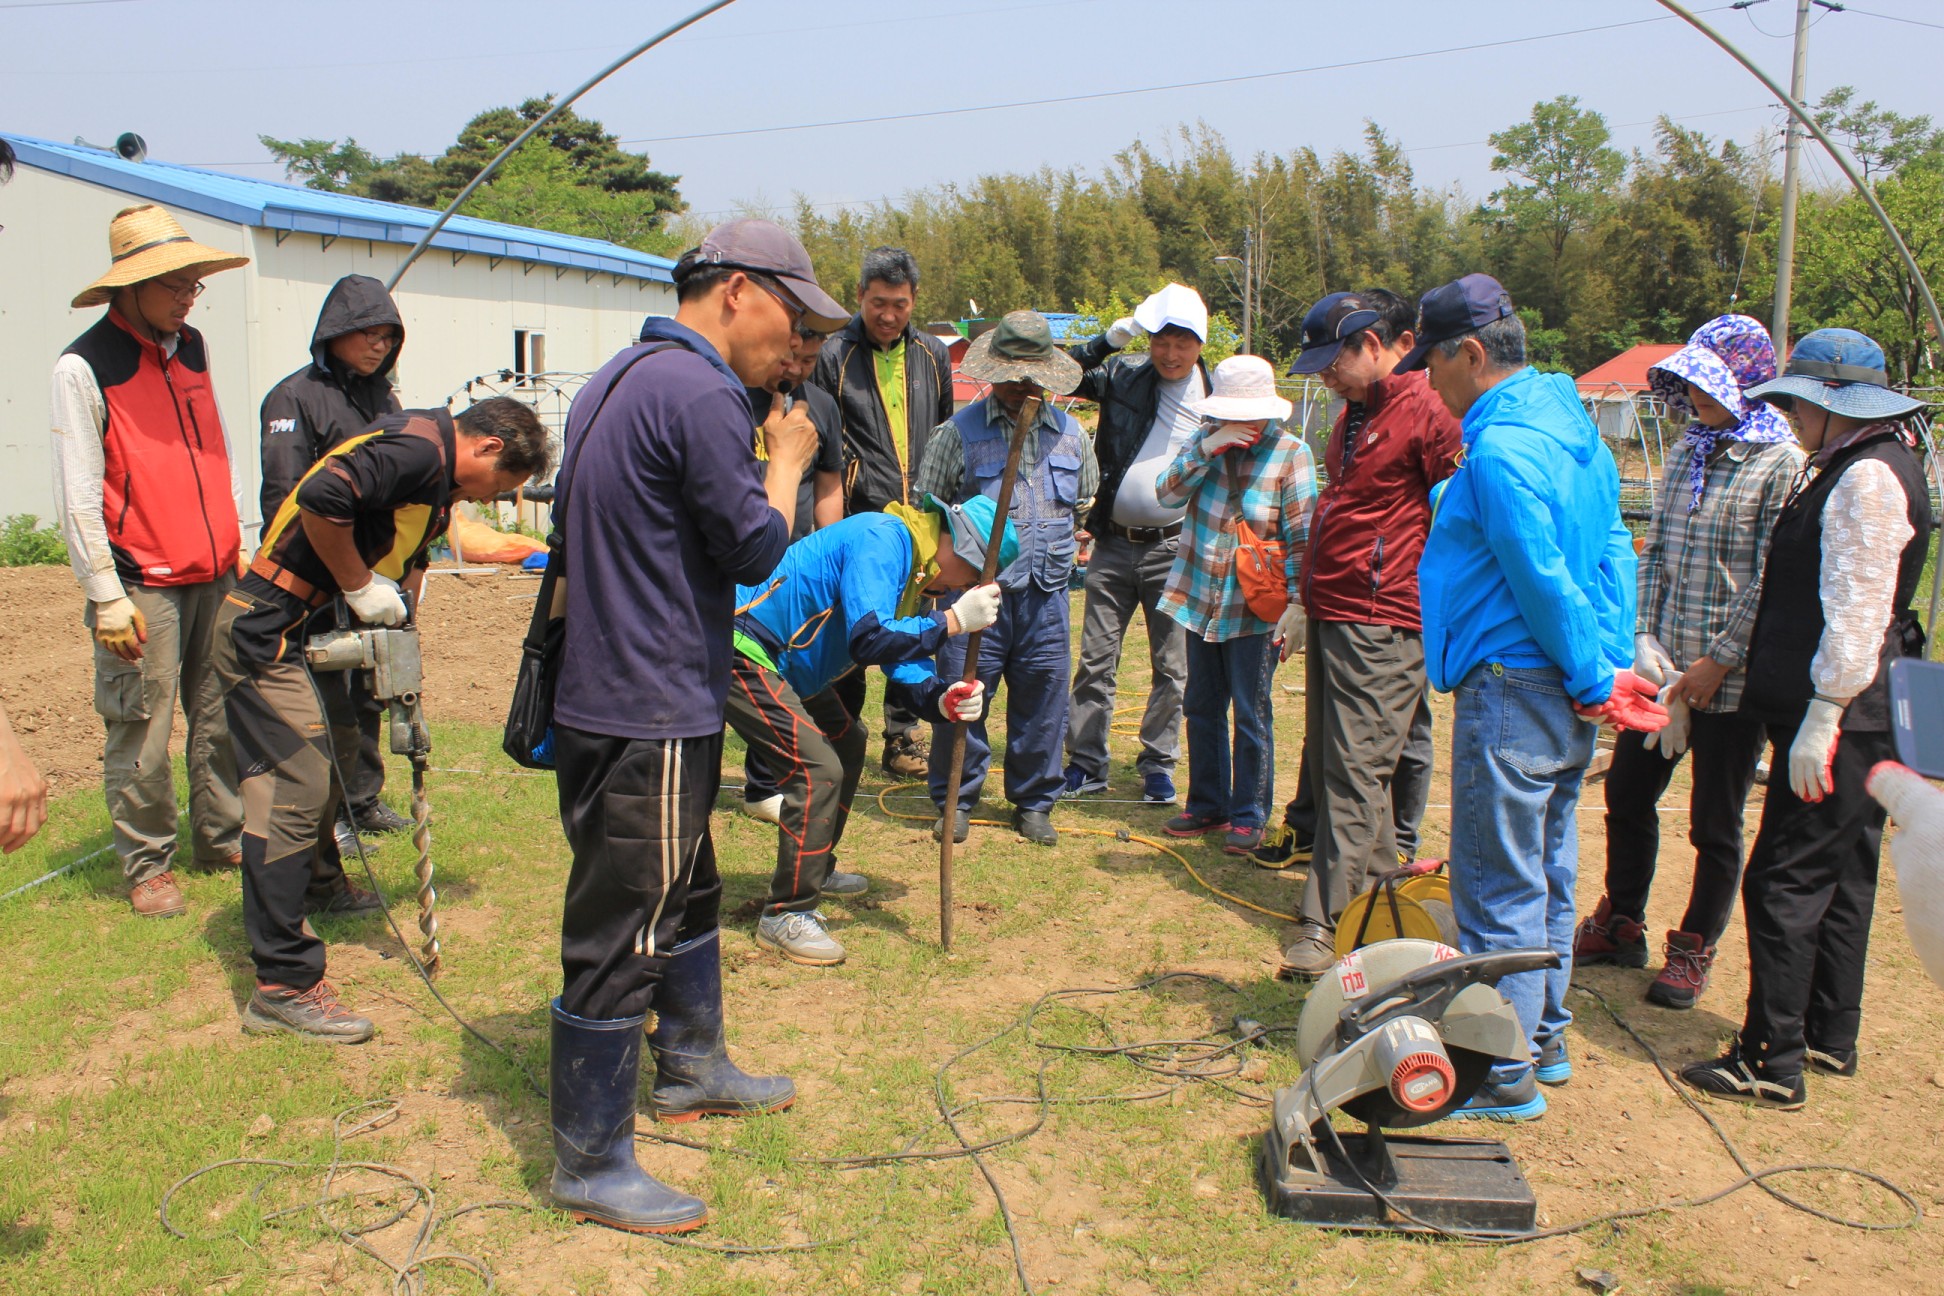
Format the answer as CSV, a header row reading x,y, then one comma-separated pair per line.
x,y
1849,276
1881,141
1564,178
324,164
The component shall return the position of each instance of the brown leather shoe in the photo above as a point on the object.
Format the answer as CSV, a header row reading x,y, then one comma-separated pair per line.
x,y
904,758
315,1012
157,897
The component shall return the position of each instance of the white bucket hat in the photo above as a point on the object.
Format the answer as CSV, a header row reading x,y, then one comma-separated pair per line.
x,y
1244,390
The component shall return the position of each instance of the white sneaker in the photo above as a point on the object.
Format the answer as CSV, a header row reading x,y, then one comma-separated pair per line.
x,y
840,883
799,937
769,809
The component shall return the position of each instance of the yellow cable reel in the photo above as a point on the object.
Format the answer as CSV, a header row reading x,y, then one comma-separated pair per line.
x,y
1413,901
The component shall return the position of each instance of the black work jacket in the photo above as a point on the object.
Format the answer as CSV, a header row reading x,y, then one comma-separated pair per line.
x,y
847,369
1127,390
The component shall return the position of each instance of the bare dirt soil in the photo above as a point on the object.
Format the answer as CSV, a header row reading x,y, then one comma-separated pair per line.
x,y
473,628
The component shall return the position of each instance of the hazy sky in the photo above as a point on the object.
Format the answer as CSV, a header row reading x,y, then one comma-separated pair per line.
x,y
200,79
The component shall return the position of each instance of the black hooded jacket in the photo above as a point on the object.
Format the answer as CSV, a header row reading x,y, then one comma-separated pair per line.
x,y
320,405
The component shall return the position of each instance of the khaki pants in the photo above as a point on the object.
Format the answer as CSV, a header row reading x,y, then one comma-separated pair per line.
x,y
137,702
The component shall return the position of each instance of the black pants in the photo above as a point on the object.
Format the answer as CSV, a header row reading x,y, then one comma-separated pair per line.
x,y
636,813
1726,747
815,752
349,704
1410,786
899,722
1807,897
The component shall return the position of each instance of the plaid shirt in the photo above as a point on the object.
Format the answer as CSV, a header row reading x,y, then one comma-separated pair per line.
x,y
1701,570
1278,491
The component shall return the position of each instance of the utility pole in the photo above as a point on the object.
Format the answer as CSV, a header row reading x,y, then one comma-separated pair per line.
x,y
1248,292
1791,160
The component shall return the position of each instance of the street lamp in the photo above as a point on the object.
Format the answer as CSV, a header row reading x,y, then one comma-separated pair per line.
x,y
1247,262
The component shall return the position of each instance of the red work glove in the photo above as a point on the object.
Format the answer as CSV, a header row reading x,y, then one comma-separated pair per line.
x,y
1631,705
963,701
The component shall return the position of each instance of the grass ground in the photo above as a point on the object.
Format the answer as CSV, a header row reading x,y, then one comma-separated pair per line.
x,y
122,1069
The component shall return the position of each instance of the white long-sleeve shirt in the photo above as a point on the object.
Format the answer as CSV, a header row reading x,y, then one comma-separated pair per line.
x,y
1865,526
80,418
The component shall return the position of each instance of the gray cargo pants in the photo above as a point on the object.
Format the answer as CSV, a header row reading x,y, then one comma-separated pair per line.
x,y
137,702
1123,576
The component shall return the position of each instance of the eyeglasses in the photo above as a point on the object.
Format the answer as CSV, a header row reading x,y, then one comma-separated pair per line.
x,y
797,310
382,336
186,292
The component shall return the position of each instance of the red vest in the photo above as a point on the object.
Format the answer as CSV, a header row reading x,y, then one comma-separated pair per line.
x,y
165,494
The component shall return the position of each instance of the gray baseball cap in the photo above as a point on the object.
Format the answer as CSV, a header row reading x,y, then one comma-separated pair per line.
x,y
750,243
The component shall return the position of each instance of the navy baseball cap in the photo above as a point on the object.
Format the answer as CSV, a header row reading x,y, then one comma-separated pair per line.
x,y
1330,323
1453,311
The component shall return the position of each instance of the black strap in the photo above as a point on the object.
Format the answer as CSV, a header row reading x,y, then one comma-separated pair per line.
x,y
536,635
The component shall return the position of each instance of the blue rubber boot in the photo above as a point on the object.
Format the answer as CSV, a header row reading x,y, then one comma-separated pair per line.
x,y
596,1067
693,1074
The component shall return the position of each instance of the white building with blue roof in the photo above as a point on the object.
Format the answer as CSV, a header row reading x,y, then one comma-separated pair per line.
x,y
483,298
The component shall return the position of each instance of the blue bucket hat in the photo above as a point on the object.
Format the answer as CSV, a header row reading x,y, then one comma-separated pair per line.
x,y
1841,371
971,526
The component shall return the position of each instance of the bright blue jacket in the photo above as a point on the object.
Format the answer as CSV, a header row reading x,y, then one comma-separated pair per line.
x,y
1528,563
834,604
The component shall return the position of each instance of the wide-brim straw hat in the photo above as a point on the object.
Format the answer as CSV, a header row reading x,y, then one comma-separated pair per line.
x,y
1021,349
147,242
1243,390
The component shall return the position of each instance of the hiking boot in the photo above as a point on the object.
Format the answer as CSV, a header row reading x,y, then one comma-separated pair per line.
x,y
800,938
315,1012
1609,938
1242,840
1157,789
157,897
1686,975
1505,1100
693,1074
1194,825
1036,826
1309,955
904,758
1280,848
1079,783
1836,1062
961,829
380,818
346,897
840,883
1554,1068
769,809
1732,1079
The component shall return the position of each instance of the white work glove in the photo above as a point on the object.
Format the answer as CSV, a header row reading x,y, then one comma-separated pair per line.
x,y
377,602
1813,751
1122,331
1227,437
963,701
977,608
1291,631
120,628
1672,737
1651,661
1917,849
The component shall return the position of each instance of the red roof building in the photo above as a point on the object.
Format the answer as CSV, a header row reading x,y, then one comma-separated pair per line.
x,y
1626,373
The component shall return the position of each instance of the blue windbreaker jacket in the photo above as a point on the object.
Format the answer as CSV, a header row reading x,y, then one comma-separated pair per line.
x,y
833,603
1528,563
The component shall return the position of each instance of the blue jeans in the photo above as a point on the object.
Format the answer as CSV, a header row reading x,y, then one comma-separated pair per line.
x,y
1517,756
1233,672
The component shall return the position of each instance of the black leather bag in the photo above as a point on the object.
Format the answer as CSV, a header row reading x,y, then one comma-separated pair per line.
x,y
529,721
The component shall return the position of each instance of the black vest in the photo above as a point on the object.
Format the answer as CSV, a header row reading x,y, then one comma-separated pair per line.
x,y
1789,623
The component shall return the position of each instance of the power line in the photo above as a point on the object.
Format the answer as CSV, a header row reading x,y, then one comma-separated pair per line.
x,y
59,4
1155,89
1914,22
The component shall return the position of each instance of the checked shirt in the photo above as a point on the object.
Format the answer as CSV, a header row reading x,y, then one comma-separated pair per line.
x,y
1700,575
1278,492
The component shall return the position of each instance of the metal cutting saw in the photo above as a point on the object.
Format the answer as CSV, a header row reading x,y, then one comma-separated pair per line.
x,y
1400,1034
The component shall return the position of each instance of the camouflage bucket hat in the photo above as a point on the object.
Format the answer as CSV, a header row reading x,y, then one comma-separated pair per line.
x,y
1021,349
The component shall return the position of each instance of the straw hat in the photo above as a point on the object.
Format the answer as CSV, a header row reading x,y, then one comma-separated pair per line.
x,y
146,242
1021,349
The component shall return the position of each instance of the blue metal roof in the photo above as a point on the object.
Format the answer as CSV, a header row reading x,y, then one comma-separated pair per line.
x,y
271,204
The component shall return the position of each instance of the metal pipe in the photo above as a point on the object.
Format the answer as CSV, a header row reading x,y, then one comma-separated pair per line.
x,y
486,172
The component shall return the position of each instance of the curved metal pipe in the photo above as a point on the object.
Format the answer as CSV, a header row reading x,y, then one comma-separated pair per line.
x,y
486,172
